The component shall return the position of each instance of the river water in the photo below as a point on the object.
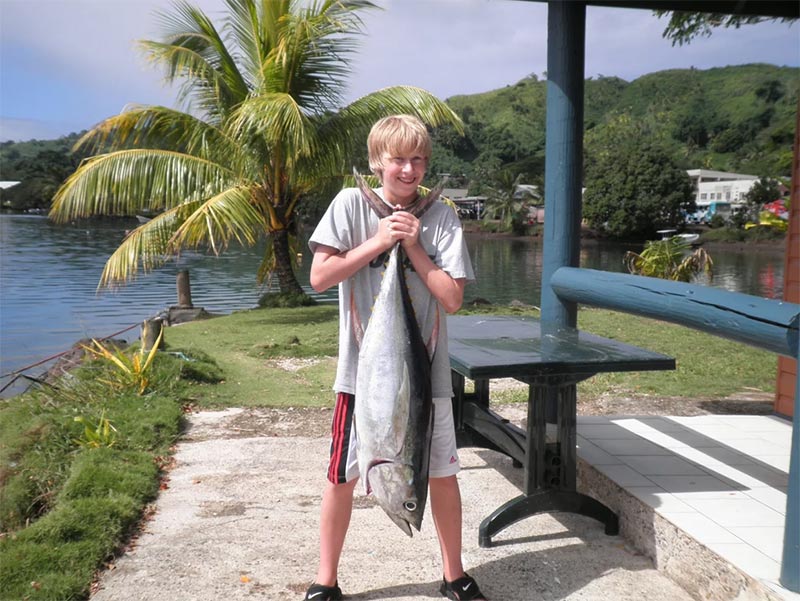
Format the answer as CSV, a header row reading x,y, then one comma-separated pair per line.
x,y
49,275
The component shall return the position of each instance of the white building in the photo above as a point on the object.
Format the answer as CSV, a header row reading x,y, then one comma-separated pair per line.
x,y
718,192
720,186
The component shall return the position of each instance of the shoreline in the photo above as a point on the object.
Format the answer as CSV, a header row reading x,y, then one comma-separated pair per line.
x,y
589,237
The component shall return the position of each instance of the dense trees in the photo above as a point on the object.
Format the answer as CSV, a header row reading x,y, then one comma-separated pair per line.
x,y
634,188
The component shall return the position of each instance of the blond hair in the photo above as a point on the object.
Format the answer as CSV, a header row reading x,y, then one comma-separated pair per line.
x,y
397,135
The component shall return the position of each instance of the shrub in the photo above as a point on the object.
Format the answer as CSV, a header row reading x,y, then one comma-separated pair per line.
x,y
285,300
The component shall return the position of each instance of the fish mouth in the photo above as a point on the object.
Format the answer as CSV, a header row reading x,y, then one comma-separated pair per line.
x,y
404,524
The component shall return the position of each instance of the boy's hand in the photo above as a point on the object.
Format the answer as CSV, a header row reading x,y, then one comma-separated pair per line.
x,y
403,226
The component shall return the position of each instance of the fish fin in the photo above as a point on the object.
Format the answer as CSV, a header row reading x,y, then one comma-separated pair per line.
x,y
434,339
370,465
373,200
419,208
355,320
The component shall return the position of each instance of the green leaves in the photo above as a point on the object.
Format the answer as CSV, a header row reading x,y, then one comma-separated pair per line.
x,y
102,434
669,259
264,87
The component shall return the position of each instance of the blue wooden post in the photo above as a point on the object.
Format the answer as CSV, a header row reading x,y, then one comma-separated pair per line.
x,y
790,564
566,24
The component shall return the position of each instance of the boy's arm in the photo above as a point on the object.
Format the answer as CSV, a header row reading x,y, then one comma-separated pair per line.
x,y
331,266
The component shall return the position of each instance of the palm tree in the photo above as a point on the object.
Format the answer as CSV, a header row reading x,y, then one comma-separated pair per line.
x,y
506,199
669,259
263,133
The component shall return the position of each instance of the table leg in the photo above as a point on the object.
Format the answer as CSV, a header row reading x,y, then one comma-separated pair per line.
x,y
525,506
477,426
538,496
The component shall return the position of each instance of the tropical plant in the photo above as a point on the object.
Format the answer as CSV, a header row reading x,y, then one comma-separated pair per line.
x,y
265,133
102,434
127,371
669,259
764,191
508,201
684,26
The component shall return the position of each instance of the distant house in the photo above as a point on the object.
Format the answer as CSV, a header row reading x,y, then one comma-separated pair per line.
x,y
469,207
720,185
718,192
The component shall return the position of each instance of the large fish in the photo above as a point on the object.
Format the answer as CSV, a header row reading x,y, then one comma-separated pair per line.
x,y
394,407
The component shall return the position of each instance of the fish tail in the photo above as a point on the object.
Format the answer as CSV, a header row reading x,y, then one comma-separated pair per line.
x,y
372,199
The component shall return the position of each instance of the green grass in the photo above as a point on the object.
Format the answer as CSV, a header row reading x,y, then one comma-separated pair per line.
x,y
706,365
243,344
66,508
732,234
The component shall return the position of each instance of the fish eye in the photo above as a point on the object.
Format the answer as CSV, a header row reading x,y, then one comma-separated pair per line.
x,y
410,506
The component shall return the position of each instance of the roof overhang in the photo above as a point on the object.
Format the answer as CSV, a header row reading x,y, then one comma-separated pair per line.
x,y
754,8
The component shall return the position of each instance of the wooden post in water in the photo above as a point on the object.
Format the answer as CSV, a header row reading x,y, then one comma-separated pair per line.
x,y
151,329
184,290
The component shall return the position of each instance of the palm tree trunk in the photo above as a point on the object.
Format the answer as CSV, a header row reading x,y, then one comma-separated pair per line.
x,y
287,281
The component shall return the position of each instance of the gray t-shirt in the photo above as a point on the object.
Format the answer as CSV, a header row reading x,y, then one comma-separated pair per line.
x,y
349,222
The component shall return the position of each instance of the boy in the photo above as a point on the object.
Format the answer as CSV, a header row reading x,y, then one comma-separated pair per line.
x,y
350,245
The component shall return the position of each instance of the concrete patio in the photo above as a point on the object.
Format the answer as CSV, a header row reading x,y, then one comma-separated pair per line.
x,y
701,503
719,479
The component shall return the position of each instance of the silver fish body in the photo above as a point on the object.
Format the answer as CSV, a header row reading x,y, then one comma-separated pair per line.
x,y
394,407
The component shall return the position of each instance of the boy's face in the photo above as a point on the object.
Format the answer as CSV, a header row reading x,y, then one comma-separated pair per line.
x,y
403,172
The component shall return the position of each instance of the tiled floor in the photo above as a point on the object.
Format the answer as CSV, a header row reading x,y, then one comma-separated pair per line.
x,y
722,479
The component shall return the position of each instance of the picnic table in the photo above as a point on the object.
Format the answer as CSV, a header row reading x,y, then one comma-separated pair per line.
x,y
551,361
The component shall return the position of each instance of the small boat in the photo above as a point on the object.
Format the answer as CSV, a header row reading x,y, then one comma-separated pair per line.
x,y
689,238
143,218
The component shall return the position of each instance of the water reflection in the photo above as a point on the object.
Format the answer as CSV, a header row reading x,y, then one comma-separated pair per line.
x,y
508,270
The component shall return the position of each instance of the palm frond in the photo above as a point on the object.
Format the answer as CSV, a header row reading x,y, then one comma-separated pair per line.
x,y
310,56
195,51
127,181
158,127
229,215
145,248
341,132
278,120
412,100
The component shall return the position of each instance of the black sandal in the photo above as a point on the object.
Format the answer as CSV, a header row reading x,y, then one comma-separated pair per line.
x,y
320,592
462,589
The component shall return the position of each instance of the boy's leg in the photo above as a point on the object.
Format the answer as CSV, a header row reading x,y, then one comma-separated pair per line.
x,y
445,496
446,509
337,498
337,506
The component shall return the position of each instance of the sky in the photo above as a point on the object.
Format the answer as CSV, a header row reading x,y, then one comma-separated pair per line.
x,y
65,65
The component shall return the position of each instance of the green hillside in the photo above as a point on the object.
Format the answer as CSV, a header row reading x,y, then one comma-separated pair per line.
x,y
738,119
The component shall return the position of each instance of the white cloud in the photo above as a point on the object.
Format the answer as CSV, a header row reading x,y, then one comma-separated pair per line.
x,y
66,64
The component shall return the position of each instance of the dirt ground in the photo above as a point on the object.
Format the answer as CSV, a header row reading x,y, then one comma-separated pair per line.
x,y
314,421
237,519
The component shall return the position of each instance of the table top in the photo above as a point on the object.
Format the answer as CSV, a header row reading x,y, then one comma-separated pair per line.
x,y
502,346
